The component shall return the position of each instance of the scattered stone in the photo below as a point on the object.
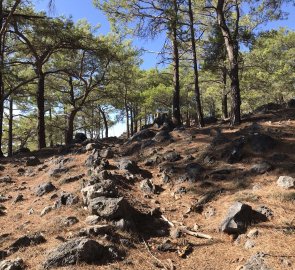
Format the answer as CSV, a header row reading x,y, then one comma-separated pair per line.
x,y
175,233
109,208
21,171
78,250
96,230
107,153
167,246
209,212
67,199
193,170
58,171
80,137
33,161
238,218
147,186
127,164
3,254
181,190
91,146
265,211
18,198
92,220
162,136
256,262
142,135
2,168
6,179
44,188
235,155
17,264
286,182
70,221
27,240
93,159
2,210
123,224
171,156
253,233
46,210
72,178
261,167
249,244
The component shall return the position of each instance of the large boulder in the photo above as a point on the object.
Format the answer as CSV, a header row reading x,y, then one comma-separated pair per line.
x,y
238,217
78,250
261,143
33,161
109,208
142,135
17,264
162,136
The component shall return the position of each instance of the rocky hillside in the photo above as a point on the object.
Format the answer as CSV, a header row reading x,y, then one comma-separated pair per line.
x,y
211,198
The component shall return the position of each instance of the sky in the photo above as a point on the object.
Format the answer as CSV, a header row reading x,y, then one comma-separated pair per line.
x,y
84,9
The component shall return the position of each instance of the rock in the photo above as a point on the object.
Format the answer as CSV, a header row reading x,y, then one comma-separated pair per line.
x,y
256,262
96,230
69,221
58,171
72,179
286,182
3,254
103,189
279,157
253,233
109,208
171,156
33,161
123,224
261,167
4,198
22,150
46,210
235,155
92,146
210,120
6,179
265,211
80,137
127,164
167,246
291,103
107,153
2,168
44,188
175,232
209,212
103,175
249,244
18,198
261,143
78,250
147,186
27,240
193,170
67,199
21,171
142,135
2,210
92,220
238,218
17,264
162,136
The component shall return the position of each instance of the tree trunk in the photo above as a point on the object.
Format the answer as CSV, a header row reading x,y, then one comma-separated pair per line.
x,y
131,122
1,78
50,131
232,49
105,122
70,127
41,110
10,130
200,120
176,99
224,95
127,121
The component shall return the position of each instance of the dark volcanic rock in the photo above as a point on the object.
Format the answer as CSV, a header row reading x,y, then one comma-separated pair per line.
x,y
261,143
171,156
33,161
238,218
44,188
147,186
109,208
127,164
142,135
107,153
80,137
6,179
27,240
79,250
261,167
17,264
67,199
162,136
193,170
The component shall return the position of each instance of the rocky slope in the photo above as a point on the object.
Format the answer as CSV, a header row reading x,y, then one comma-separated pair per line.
x,y
211,198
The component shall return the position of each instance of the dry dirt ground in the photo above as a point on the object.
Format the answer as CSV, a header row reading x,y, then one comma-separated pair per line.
x,y
276,236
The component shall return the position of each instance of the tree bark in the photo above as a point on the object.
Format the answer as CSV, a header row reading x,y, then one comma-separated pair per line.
x,y
176,118
232,49
131,122
50,131
200,120
10,129
41,110
1,78
70,127
224,95
105,122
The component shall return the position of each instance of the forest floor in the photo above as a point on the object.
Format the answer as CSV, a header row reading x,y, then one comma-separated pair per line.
x,y
152,243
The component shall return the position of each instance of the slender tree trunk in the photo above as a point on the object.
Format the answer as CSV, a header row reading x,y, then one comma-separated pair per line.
x,y
10,130
1,78
70,127
105,122
232,49
200,120
50,131
176,96
224,95
135,113
131,122
41,110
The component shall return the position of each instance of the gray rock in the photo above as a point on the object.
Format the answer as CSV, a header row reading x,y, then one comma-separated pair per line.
x,y
109,208
67,198
256,262
18,198
96,230
70,221
162,136
253,233
171,156
147,186
2,210
127,164
286,182
261,143
142,135
92,146
33,161
249,244
107,153
93,159
238,218
265,211
92,220
58,171
46,210
4,198
6,179
17,264
72,179
261,167
27,240
193,171
79,250
44,188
